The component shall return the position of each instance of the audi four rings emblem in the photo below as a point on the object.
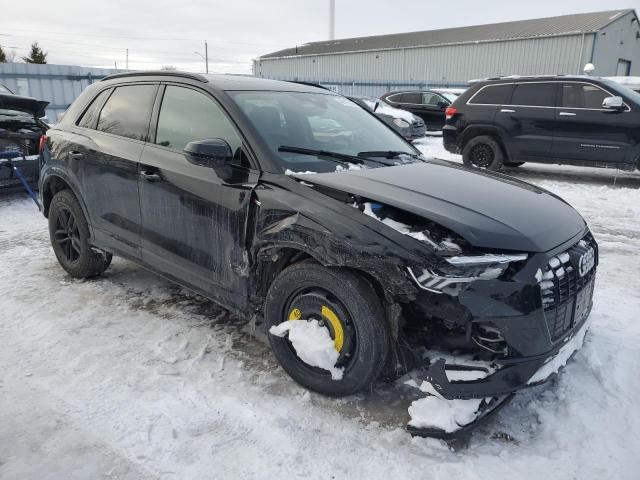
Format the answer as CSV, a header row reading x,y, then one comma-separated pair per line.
x,y
587,262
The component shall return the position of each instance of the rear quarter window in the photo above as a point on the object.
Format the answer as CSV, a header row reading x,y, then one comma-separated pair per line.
x,y
90,115
492,95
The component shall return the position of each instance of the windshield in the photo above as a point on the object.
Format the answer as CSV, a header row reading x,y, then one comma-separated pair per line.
x,y
450,96
14,113
316,121
623,90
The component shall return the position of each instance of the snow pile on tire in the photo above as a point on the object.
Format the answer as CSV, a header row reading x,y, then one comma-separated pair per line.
x,y
313,344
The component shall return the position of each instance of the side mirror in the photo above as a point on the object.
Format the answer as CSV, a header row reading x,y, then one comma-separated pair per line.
x,y
214,152
613,103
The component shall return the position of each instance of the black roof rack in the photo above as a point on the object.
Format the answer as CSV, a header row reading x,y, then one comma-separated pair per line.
x,y
166,73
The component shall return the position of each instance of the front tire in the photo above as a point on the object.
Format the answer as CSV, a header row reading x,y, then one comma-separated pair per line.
x,y
483,152
69,234
310,291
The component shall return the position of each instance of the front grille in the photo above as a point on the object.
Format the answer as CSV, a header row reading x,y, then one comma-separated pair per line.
x,y
561,282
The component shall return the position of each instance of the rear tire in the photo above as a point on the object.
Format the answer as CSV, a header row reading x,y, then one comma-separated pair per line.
x,y
361,315
69,234
483,152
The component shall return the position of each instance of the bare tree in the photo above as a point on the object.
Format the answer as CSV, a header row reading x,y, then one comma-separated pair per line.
x,y
168,67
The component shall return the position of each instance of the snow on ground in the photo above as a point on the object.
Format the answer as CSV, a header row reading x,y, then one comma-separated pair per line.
x,y
130,377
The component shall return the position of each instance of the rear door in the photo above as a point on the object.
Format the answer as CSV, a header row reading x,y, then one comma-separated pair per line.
x,y
410,101
585,131
194,217
107,155
433,107
529,119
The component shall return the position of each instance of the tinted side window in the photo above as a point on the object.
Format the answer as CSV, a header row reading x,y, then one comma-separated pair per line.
x,y
492,95
432,99
187,115
395,98
582,95
88,119
534,95
127,112
412,97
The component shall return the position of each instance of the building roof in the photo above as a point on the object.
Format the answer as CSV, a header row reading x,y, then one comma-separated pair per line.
x,y
540,27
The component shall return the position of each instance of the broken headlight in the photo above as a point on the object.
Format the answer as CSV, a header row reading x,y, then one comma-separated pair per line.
x,y
464,269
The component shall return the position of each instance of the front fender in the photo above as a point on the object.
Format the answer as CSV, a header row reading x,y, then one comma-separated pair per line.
x,y
328,237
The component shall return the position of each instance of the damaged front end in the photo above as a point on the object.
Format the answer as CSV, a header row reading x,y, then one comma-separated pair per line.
x,y
485,324
482,301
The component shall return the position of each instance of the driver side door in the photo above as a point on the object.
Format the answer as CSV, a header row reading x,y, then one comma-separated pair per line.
x,y
194,217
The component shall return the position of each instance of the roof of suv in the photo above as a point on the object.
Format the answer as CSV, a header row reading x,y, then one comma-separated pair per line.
x,y
532,78
223,82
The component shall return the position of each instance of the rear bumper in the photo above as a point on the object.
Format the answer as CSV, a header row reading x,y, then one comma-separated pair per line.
x,y
450,139
29,166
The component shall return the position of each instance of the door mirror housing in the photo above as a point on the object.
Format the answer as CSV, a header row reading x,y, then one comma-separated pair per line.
x,y
213,152
613,103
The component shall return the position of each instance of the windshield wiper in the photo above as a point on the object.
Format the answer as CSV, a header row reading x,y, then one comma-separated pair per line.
x,y
343,157
387,154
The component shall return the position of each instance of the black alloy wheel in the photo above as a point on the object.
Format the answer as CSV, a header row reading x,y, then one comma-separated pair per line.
x,y
67,235
71,239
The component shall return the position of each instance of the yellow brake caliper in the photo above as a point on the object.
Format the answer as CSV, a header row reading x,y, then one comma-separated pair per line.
x,y
329,314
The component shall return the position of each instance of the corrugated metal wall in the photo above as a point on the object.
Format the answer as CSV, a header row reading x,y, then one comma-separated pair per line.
x,y
618,41
448,65
57,84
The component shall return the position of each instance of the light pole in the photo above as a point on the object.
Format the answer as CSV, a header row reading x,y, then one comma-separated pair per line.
x,y
205,57
332,19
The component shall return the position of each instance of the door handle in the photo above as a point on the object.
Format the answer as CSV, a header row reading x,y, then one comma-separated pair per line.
x,y
506,110
567,114
150,176
75,155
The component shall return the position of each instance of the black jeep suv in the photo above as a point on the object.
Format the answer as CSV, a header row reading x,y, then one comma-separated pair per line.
x,y
584,121
232,187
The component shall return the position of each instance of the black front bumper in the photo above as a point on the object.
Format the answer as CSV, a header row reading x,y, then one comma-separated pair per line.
x,y
538,322
511,375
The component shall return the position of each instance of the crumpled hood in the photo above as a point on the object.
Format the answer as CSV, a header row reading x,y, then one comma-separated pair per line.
x,y
488,210
23,104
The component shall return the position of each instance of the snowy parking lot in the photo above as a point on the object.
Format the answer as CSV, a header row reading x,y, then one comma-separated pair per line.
x,y
130,377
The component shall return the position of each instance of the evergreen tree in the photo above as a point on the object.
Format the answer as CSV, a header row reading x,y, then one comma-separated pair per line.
x,y
36,55
3,56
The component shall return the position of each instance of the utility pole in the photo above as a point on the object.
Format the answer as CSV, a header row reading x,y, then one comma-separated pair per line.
x,y
332,19
127,62
206,56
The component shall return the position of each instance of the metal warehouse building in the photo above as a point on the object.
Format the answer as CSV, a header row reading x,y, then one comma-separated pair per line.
x,y
57,84
451,57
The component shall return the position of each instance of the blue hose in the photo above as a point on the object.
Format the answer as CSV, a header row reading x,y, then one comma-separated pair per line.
x,y
26,186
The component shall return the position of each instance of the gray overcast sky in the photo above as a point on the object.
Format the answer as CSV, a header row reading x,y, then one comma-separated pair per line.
x,y
168,32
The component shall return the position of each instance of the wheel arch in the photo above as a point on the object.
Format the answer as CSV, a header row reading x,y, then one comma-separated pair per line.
x,y
492,131
272,260
55,182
